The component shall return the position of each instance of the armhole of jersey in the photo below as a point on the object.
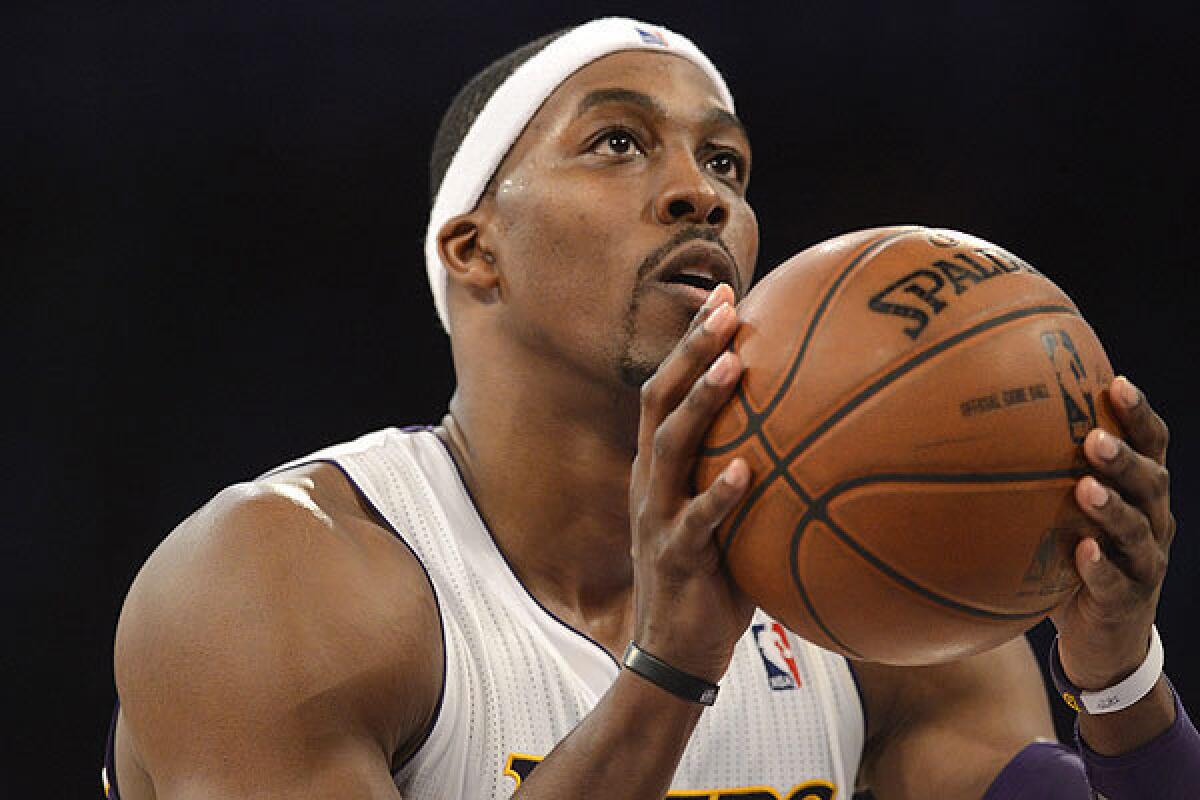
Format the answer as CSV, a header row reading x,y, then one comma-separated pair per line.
x,y
862,699
437,709
108,775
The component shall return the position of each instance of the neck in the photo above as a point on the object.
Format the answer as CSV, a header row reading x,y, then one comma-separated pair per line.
x,y
548,464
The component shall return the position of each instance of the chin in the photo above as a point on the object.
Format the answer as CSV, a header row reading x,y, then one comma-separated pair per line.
x,y
639,362
651,334
635,373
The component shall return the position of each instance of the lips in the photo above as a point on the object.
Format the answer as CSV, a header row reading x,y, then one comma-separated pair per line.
x,y
701,265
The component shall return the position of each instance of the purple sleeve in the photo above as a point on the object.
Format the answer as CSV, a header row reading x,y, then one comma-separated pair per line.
x,y
1165,768
1042,771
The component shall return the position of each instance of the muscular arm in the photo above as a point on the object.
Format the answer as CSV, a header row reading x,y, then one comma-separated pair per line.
x,y
276,646
947,731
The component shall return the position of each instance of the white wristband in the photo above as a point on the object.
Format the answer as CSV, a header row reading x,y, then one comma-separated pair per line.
x,y
1133,688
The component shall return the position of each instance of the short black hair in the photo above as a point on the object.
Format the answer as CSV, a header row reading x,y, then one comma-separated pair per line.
x,y
470,100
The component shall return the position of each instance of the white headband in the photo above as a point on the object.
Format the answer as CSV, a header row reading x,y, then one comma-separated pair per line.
x,y
515,102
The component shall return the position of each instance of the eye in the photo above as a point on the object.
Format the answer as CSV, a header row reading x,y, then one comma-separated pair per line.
x,y
617,141
727,164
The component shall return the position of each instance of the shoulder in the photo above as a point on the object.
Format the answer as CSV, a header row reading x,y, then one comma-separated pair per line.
x,y
894,695
287,538
281,606
954,724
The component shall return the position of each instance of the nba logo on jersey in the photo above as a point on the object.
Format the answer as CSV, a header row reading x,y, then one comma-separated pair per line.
x,y
776,656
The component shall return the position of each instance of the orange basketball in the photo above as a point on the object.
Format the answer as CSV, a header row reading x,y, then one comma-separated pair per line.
x,y
912,409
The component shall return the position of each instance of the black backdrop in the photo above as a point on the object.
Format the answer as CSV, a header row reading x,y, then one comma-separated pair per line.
x,y
212,218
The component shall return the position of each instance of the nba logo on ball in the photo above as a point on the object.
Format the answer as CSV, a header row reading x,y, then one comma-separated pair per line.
x,y
776,655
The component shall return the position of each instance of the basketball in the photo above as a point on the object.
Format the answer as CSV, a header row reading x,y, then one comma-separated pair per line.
x,y
912,410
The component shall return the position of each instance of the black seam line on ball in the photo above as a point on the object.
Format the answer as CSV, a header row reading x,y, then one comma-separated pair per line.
x,y
754,419
778,465
908,583
777,468
1028,476
752,429
794,564
819,512
895,374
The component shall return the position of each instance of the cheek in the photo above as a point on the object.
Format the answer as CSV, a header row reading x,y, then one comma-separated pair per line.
x,y
742,238
562,240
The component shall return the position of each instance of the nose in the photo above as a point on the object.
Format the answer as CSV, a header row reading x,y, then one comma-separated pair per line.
x,y
688,195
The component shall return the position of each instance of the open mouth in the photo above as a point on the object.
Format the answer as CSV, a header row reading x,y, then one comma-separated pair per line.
x,y
696,279
701,266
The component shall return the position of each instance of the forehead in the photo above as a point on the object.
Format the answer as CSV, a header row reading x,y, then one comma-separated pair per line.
x,y
677,85
664,76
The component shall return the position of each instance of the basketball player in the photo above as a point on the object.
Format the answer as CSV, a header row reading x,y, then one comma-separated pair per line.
x,y
445,612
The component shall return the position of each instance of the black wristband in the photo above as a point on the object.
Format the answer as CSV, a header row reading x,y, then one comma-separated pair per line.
x,y
663,675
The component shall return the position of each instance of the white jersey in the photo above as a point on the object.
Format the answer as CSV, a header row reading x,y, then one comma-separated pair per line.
x,y
787,723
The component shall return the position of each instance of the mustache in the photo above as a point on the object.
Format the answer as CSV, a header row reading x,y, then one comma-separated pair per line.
x,y
691,233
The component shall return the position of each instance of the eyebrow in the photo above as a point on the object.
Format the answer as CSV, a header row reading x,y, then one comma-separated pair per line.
x,y
715,117
629,96
719,117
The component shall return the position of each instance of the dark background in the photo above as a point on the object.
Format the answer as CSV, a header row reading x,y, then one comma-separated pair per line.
x,y
213,213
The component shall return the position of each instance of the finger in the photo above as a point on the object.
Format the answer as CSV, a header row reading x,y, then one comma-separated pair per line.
x,y
1144,428
708,509
1110,587
1132,546
1141,480
700,345
678,438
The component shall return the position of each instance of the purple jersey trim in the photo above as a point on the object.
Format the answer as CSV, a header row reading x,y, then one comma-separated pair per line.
x,y
437,709
110,755
862,698
508,564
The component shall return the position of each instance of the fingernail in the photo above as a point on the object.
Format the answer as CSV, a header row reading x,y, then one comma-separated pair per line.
x,y
722,369
1095,557
1096,494
735,473
1106,445
712,297
1130,395
718,318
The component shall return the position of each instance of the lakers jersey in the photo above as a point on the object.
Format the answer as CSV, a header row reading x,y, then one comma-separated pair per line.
x,y
787,724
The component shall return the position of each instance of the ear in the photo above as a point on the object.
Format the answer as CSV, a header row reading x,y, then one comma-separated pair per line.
x,y
467,262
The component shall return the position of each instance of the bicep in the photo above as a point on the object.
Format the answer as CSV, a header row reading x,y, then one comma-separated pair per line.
x,y
957,725
258,656
348,774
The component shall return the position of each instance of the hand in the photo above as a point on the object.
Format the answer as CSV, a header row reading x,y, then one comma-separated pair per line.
x,y
1104,630
688,611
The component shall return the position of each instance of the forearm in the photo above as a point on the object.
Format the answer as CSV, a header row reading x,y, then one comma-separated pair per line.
x,y
628,747
1127,730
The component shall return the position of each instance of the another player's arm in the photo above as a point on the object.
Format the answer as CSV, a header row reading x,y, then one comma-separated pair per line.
x,y
687,611
267,650
947,731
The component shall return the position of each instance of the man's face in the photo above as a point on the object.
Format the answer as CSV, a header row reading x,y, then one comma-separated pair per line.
x,y
620,205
